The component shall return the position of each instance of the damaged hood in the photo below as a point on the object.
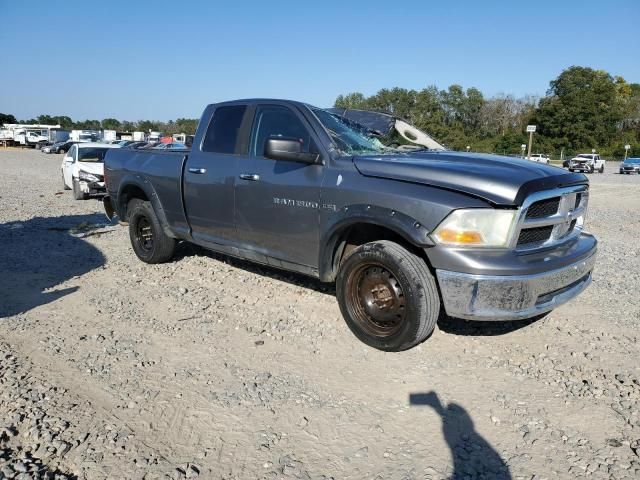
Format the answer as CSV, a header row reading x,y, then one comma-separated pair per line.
x,y
97,168
497,179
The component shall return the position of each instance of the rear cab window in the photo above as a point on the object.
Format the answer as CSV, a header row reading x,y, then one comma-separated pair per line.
x,y
222,133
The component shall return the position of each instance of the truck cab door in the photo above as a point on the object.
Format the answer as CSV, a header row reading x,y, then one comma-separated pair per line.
x,y
210,176
278,201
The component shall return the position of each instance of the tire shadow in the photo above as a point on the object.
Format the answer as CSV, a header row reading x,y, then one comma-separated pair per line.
x,y
459,326
39,254
186,249
473,456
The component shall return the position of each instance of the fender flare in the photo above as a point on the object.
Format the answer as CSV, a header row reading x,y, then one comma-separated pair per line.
x,y
143,184
410,229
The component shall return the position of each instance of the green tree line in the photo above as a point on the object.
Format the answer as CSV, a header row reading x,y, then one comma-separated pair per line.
x,y
181,125
583,109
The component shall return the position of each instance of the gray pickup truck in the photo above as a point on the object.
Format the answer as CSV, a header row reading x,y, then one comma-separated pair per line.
x,y
407,232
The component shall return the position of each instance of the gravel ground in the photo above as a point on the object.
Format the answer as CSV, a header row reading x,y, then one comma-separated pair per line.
x,y
210,367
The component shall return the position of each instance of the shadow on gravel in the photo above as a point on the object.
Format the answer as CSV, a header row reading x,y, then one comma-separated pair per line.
x,y
186,249
39,254
21,465
473,456
458,326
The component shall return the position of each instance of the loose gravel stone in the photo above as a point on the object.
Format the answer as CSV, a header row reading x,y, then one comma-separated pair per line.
x,y
111,368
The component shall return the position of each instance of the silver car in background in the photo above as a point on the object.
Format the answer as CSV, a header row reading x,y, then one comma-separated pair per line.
x,y
630,165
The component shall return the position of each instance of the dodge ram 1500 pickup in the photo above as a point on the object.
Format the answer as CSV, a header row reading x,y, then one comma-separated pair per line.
x,y
406,234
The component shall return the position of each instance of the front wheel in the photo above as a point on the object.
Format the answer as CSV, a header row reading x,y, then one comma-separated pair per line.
x,y
387,296
148,240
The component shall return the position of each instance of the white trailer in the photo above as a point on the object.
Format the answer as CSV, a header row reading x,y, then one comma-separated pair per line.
x,y
138,136
108,136
154,136
84,135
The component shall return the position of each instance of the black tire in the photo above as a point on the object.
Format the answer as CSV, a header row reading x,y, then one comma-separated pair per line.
x,y
148,240
385,273
64,184
601,169
77,193
571,169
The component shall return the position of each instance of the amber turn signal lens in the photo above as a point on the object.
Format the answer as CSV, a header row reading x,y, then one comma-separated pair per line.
x,y
460,237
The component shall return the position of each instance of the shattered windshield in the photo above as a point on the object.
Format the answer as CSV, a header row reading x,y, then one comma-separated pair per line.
x,y
348,137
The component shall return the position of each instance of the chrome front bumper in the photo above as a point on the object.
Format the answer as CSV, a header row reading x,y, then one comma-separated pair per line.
x,y
502,297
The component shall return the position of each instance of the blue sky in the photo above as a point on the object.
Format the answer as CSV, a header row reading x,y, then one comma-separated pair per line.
x,y
166,59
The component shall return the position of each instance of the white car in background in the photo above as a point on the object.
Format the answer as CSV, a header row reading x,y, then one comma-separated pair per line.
x,y
83,169
540,158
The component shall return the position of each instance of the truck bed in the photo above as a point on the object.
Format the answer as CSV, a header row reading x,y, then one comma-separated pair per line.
x,y
157,172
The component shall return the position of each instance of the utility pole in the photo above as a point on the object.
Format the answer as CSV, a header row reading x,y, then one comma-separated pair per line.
x,y
530,129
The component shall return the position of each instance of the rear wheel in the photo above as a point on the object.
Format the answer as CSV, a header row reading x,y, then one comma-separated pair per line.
x,y
601,169
78,194
148,240
387,296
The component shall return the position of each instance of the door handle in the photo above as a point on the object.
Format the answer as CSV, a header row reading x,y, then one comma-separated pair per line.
x,y
250,176
198,170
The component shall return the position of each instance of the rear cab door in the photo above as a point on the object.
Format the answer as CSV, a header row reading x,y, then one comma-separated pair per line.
x,y
210,173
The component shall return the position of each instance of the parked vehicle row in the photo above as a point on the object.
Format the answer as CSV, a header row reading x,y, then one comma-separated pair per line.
x,y
59,147
405,230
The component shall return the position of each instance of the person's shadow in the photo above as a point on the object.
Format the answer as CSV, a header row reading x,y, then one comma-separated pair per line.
x,y
473,456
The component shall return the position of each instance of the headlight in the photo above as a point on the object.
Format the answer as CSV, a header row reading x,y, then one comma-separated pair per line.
x,y
477,227
88,177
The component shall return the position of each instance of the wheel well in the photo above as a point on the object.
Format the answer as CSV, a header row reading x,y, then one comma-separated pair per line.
x,y
358,234
129,193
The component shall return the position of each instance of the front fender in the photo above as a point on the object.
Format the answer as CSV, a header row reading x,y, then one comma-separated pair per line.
x,y
338,224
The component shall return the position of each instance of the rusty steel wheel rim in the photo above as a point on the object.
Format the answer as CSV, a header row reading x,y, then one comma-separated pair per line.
x,y
376,300
144,234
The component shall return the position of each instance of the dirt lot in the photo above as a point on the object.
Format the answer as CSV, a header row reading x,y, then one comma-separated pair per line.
x,y
214,368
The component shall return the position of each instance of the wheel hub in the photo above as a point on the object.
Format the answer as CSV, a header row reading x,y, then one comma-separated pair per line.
x,y
382,296
144,234
379,298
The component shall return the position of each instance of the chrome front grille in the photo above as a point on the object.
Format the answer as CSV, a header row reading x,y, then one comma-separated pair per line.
x,y
543,208
550,217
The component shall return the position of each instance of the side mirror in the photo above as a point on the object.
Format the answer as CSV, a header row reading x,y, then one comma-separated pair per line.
x,y
282,148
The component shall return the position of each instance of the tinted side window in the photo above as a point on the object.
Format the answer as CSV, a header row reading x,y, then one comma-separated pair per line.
x,y
276,121
222,134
